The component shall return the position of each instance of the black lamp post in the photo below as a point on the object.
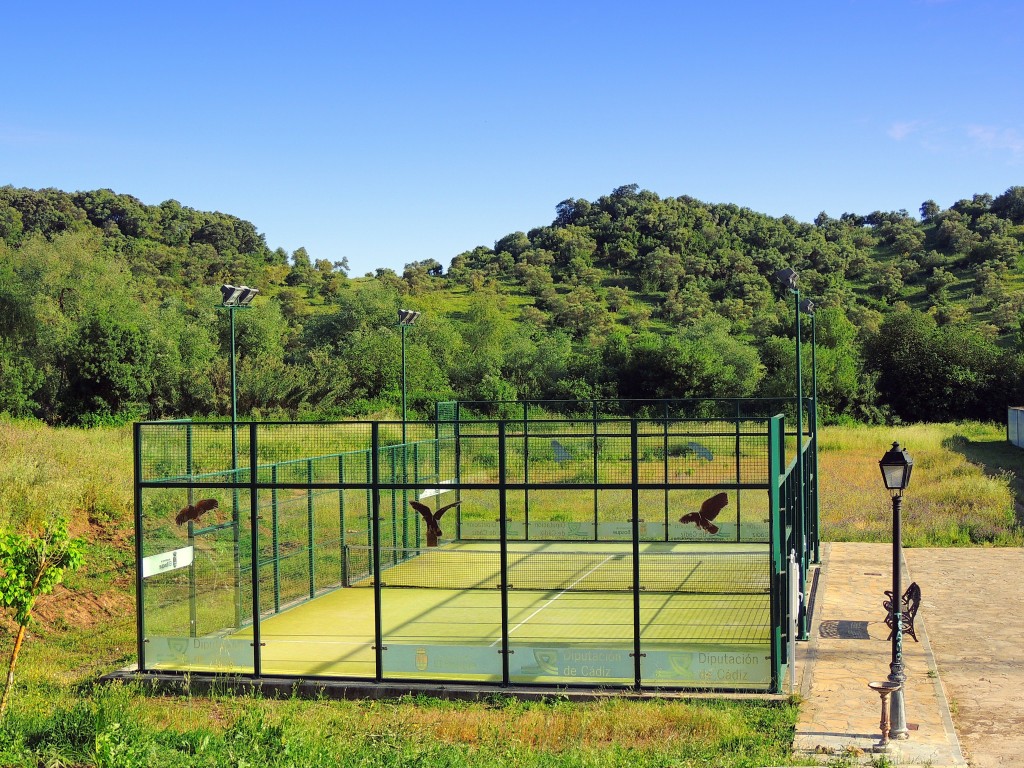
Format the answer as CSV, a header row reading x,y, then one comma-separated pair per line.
x,y
787,278
896,466
808,309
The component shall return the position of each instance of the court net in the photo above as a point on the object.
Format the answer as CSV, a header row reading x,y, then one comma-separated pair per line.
x,y
716,573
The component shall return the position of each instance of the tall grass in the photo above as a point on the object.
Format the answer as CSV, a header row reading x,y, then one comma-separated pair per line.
x,y
120,726
961,493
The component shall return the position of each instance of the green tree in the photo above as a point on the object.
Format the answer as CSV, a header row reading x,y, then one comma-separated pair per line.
x,y
32,564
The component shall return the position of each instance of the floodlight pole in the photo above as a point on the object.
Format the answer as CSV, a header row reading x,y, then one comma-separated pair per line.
x,y
800,460
405,327
788,279
809,309
233,298
406,317
816,541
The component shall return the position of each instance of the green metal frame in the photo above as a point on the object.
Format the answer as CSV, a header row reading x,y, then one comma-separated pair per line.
x,y
788,516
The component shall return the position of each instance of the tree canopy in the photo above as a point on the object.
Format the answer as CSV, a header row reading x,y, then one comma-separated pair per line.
x,y
108,311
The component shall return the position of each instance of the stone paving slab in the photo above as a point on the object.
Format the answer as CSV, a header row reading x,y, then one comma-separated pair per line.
x,y
848,648
974,602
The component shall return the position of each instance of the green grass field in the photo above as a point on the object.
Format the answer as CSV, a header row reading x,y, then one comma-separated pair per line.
x,y
965,482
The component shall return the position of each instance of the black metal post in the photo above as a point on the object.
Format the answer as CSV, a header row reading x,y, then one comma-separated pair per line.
x,y
897,674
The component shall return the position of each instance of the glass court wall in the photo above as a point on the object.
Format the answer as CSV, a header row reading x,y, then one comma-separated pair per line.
x,y
555,552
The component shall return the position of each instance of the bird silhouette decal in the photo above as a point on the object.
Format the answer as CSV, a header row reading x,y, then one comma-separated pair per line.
x,y
561,454
193,511
433,519
701,451
708,511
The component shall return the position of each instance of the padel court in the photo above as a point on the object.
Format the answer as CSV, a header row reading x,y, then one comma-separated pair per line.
x,y
554,553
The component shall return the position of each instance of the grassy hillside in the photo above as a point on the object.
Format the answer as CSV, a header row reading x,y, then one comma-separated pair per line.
x,y
107,311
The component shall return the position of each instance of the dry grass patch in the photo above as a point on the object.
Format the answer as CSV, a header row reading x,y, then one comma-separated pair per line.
x,y
956,497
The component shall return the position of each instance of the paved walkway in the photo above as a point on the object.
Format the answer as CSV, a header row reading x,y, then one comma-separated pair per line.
x,y
973,603
848,648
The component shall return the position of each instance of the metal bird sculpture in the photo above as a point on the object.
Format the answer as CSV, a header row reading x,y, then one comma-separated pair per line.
x,y
433,519
708,511
193,511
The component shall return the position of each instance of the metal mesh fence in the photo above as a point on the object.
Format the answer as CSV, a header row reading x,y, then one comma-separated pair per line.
x,y
238,523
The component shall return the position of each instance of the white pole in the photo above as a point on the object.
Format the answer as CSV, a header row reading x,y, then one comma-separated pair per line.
x,y
795,599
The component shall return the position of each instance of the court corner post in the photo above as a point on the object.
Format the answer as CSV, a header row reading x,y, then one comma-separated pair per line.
x,y
776,431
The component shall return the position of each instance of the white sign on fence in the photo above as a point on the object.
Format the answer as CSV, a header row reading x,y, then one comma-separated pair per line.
x,y
166,561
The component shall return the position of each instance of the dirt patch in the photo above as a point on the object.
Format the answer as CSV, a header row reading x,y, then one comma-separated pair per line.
x,y
65,609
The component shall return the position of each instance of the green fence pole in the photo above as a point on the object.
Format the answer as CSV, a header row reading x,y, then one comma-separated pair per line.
x,y
342,533
776,438
254,554
378,638
275,540
416,480
635,497
193,613
368,456
309,523
394,505
140,603
739,478
593,421
526,471
666,469
503,550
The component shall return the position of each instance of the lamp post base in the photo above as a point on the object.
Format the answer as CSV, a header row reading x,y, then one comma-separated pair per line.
x,y
898,729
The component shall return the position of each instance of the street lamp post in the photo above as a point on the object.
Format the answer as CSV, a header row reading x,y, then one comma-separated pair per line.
x,y
896,466
808,308
788,279
406,317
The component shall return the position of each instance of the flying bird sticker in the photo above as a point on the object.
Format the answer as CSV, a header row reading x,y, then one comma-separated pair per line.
x,y
708,511
194,511
433,519
561,454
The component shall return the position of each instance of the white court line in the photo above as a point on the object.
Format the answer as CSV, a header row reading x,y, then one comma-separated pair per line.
x,y
549,602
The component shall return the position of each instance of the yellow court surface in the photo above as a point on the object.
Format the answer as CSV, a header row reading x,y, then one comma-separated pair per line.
x,y
578,632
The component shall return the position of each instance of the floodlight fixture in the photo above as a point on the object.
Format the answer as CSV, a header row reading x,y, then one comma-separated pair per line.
x,y
247,295
237,295
787,278
807,307
230,294
407,316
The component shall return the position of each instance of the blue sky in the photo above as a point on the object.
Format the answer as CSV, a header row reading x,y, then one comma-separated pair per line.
x,y
392,132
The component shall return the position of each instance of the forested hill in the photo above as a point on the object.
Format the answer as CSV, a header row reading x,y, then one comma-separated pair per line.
x,y
107,311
